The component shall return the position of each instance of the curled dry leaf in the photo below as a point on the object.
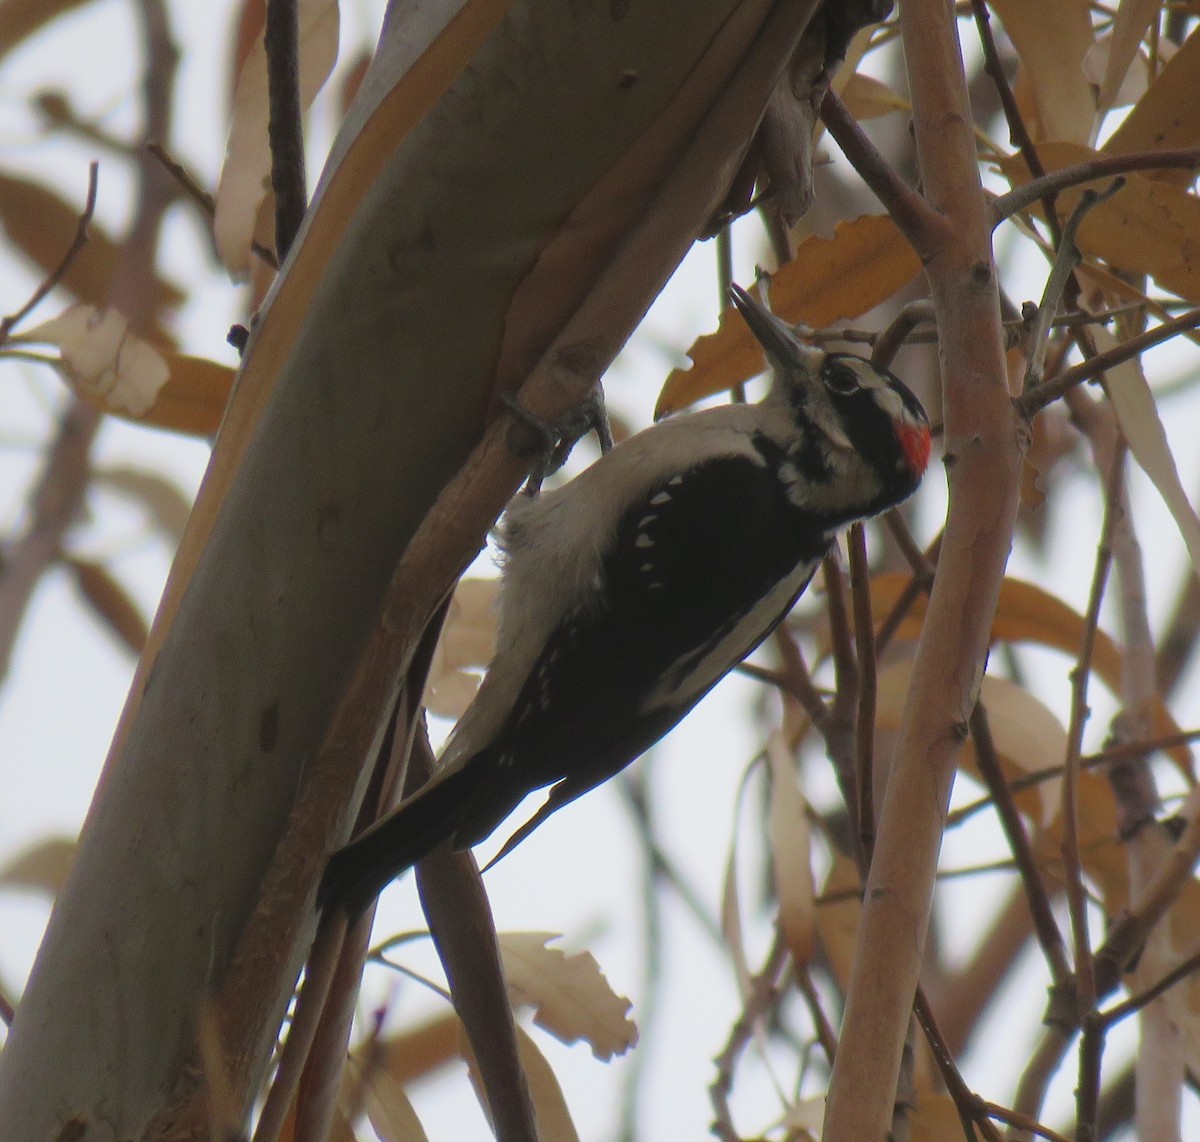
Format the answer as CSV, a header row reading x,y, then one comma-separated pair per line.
x,y
103,360
553,1116
1137,413
42,866
465,648
864,263
246,173
570,996
788,827
112,367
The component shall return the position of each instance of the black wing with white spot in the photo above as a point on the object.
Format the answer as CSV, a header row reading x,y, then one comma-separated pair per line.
x,y
700,570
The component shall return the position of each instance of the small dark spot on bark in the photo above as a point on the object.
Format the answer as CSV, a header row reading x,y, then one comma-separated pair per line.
x,y
960,731
949,459
628,78
329,525
981,274
268,727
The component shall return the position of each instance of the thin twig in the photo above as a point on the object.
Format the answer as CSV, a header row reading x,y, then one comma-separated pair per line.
x,y
285,125
1036,892
764,990
1008,204
868,689
1023,1122
1085,980
200,197
1018,132
1032,402
73,251
970,1107
1067,258
1135,1003
917,220
899,331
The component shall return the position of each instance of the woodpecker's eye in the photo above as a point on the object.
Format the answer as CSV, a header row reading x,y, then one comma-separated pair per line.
x,y
840,378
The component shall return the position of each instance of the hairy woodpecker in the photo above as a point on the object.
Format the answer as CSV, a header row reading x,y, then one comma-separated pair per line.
x,y
631,591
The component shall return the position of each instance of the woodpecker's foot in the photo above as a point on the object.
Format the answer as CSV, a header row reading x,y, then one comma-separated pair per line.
x,y
559,438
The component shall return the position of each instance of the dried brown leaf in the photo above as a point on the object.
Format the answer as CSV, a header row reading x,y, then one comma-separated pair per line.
x,y
1029,737
417,1052
868,98
553,1116
863,264
837,916
1137,413
162,500
111,603
1167,116
41,225
789,832
1027,613
570,996
42,866
465,648
1052,41
246,172
20,19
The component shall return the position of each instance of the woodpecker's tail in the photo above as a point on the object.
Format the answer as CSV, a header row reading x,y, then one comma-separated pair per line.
x,y
358,873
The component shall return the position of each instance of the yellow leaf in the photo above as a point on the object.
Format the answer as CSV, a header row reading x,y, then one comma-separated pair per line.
x,y
863,264
1165,117
1148,227
1026,613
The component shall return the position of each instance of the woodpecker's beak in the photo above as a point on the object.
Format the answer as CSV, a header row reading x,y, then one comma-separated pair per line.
x,y
783,348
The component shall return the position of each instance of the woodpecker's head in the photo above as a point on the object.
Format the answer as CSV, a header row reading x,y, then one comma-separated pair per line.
x,y
856,409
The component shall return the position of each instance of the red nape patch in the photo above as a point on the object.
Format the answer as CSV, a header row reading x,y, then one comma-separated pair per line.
x,y
916,443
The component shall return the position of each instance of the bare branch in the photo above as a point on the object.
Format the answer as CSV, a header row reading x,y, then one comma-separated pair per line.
x,y
285,125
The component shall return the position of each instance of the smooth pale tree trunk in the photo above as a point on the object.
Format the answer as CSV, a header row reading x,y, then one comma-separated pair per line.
x,y
402,306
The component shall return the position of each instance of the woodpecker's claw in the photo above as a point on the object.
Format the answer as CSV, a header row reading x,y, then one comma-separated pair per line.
x,y
559,438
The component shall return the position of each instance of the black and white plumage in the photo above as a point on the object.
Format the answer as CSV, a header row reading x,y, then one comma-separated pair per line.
x,y
630,591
